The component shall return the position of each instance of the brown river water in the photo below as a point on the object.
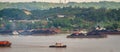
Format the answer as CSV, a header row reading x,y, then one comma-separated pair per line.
x,y
41,44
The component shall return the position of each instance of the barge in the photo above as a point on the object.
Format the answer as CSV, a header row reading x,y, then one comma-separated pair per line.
x,y
106,31
5,44
87,35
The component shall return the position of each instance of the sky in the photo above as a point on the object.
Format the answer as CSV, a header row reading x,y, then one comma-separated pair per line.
x,y
57,1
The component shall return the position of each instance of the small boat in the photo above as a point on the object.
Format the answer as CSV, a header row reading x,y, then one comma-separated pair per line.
x,y
5,44
58,45
15,33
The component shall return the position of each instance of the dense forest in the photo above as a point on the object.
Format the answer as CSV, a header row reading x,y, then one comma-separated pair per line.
x,y
66,18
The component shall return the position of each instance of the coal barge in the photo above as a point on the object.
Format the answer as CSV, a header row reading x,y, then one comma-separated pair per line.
x,y
109,32
85,34
106,31
88,35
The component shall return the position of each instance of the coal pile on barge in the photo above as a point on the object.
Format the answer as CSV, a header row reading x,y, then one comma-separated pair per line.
x,y
91,34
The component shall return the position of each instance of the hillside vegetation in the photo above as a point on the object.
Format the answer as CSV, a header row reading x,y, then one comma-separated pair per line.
x,y
67,16
45,5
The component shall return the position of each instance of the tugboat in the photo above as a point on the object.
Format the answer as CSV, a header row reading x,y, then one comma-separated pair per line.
x,y
58,45
5,44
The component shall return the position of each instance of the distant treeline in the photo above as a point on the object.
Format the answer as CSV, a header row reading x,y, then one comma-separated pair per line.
x,y
45,5
67,18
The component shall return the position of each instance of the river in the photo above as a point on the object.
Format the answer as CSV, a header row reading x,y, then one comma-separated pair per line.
x,y
41,44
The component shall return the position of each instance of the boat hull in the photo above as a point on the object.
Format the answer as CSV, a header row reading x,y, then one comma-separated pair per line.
x,y
111,33
88,36
54,46
108,32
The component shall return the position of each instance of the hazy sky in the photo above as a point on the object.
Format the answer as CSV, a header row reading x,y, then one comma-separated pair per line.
x,y
56,0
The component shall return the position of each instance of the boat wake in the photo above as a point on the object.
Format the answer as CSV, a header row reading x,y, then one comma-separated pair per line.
x,y
24,46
